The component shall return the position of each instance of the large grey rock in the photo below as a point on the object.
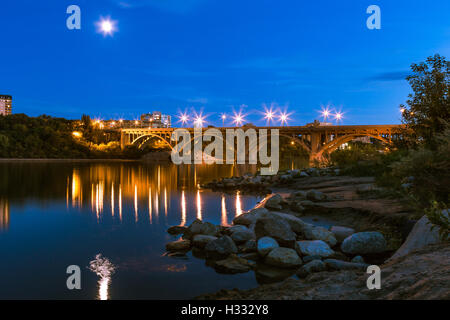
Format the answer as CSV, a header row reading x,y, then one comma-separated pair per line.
x,y
209,229
220,248
201,240
250,217
278,229
195,227
340,233
232,265
313,248
297,225
179,245
420,236
334,264
283,258
238,228
274,202
319,233
265,245
241,236
364,243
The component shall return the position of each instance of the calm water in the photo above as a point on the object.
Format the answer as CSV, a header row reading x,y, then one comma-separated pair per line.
x,y
56,214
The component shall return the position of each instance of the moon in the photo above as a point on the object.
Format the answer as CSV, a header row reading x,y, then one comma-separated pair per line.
x,y
107,26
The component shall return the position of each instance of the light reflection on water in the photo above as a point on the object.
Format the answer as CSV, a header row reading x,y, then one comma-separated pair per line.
x,y
104,269
56,214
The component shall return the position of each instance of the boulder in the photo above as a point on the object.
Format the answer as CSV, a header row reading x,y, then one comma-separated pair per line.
x,y
179,245
296,206
340,233
420,236
265,245
201,240
315,195
333,264
319,233
241,236
232,265
307,259
275,228
274,202
249,246
313,248
195,227
364,243
358,259
304,174
177,230
299,195
237,228
283,258
297,225
310,267
250,217
209,229
220,248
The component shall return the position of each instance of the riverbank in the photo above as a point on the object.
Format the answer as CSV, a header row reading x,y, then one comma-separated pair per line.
x,y
315,236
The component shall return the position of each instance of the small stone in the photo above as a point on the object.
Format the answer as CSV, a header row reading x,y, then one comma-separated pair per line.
x,y
274,202
283,258
340,233
180,245
232,265
307,259
320,233
313,248
313,266
241,236
334,264
265,245
177,230
358,259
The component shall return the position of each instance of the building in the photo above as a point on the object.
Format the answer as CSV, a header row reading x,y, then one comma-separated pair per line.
x,y
156,120
5,105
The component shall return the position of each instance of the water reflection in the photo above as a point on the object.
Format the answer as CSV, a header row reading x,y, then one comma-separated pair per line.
x,y
104,269
4,214
147,190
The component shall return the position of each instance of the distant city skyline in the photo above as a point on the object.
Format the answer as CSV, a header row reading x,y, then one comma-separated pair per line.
x,y
206,57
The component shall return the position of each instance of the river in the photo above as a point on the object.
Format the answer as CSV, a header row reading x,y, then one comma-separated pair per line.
x,y
57,214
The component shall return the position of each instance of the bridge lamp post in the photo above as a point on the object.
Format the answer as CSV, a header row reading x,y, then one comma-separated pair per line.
x,y
224,117
269,116
338,117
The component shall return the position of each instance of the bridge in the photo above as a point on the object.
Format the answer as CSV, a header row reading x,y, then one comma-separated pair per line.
x,y
318,140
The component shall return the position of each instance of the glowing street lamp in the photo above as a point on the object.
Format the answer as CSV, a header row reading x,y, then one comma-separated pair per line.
x,y
402,110
238,119
338,116
269,115
325,113
223,117
199,120
284,117
183,118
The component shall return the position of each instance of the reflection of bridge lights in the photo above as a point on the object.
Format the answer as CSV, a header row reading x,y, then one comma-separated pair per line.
x,y
77,134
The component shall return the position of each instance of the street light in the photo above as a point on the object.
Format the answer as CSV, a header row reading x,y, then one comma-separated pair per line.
x,y
224,117
238,119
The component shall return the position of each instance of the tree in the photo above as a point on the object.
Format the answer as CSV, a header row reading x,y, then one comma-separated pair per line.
x,y
428,108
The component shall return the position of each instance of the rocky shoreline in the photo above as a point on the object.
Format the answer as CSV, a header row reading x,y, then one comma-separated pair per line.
x,y
275,241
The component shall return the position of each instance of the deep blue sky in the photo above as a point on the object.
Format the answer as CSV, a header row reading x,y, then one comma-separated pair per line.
x,y
173,55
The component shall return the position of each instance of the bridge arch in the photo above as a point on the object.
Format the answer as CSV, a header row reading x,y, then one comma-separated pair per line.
x,y
331,146
148,136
